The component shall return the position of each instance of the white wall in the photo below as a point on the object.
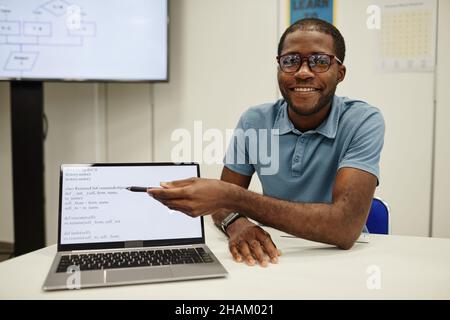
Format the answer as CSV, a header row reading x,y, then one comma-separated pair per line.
x,y
129,122
6,204
92,122
406,101
441,208
221,62
72,132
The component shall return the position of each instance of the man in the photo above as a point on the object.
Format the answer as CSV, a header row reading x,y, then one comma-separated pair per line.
x,y
328,161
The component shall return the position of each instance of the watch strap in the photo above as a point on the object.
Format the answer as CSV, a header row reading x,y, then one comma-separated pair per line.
x,y
232,217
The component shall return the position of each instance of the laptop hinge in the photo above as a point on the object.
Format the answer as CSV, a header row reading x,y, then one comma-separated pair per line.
x,y
134,244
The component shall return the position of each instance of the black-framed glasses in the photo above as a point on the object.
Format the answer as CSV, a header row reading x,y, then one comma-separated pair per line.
x,y
317,62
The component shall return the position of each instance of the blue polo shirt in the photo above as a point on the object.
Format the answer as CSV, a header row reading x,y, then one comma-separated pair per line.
x,y
302,166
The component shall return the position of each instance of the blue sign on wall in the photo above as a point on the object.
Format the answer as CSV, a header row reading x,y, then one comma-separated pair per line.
x,y
321,9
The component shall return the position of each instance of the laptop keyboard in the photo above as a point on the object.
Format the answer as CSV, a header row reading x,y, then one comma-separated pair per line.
x,y
133,259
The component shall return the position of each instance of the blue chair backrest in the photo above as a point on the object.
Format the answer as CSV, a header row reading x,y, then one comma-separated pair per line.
x,y
378,219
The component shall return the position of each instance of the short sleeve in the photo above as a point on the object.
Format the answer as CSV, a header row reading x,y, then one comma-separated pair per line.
x,y
237,156
365,147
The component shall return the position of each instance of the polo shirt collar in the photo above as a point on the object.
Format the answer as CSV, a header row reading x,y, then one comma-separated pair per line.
x,y
282,121
328,128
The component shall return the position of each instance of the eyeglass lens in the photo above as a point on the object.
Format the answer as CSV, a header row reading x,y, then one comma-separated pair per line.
x,y
317,62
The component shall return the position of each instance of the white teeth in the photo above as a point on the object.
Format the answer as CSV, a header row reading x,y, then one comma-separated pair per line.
x,y
305,89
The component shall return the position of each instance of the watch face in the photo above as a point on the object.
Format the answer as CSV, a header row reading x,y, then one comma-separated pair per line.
x,y
229,219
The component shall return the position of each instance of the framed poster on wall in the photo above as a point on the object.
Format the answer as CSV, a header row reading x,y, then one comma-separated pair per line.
x,y
321,9
407,35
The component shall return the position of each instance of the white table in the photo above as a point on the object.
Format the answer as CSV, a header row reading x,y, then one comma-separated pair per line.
x,y
409,268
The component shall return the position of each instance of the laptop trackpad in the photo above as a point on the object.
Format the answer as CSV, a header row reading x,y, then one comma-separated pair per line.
x,y
138,274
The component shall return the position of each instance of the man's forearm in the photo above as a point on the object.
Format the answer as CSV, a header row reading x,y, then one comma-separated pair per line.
x,y
321,222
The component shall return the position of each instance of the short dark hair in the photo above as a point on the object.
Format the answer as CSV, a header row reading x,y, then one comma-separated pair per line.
x,y
313,24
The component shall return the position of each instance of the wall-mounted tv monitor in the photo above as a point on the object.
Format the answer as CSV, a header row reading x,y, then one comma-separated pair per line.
x,y
84,40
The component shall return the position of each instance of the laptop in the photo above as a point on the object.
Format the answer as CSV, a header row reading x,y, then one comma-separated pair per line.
x,y
109,235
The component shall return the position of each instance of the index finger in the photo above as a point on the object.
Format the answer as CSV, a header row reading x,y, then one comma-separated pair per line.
x,y
166,194
177,183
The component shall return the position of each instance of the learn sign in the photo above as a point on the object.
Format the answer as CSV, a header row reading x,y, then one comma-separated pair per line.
x,y
321,9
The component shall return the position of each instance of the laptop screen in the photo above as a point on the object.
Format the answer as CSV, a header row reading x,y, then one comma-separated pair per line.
x,y
96,206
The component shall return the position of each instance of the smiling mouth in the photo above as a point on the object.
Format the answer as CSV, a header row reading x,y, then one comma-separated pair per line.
x,y
304,90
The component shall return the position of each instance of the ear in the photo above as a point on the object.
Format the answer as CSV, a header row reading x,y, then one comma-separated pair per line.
x,y
341,73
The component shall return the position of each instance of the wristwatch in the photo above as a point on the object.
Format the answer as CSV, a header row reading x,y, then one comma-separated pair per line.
x,y
232,217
